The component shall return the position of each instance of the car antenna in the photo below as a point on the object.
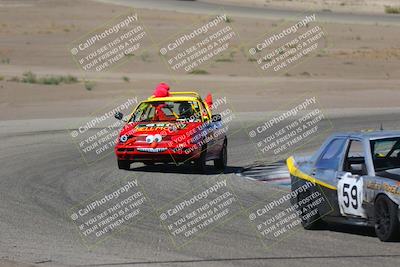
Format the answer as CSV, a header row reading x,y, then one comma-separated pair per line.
x,y
381,126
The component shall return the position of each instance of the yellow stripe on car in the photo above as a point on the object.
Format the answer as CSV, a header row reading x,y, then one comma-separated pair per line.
x,y
293,170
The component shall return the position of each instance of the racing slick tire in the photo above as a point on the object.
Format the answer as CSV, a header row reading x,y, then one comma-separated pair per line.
x,y
200,163
312,222
124,164
386,220
221,162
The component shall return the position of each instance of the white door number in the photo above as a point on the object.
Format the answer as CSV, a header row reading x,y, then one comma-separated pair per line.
x,y
350,195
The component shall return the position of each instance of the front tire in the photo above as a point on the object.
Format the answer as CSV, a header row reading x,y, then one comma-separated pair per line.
x,y
124,164
386,220
221,162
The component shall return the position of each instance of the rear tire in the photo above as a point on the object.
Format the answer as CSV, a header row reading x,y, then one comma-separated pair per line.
x,y
308,222
220,164
124,164
386,220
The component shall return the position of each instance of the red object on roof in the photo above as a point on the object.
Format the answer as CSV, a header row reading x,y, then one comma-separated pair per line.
x,y
162,90
209,100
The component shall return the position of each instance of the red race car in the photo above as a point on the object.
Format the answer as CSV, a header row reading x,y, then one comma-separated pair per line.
x,y
176,128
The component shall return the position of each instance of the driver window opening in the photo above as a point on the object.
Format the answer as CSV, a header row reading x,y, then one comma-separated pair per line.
x,y
354,161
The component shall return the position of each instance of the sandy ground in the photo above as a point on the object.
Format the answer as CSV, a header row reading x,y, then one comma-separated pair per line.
x,y
359,66
354,6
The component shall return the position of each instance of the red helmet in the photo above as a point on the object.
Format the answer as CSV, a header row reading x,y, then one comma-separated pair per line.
x,y
162,90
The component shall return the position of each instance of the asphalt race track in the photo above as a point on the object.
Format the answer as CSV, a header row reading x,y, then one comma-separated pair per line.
x,y
43,175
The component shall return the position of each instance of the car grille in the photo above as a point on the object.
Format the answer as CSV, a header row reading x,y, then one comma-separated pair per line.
x,y
152,150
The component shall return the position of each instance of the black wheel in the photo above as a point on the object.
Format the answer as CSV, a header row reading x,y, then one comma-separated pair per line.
x,y
200,163
309,219
386,220
220,164
124,164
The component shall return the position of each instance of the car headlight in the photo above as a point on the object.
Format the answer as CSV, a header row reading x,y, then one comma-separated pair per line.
x,y
150,139
123,138
157,138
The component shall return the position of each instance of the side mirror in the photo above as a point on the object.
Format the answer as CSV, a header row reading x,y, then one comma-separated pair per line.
x,y
119,116
216,117
358,169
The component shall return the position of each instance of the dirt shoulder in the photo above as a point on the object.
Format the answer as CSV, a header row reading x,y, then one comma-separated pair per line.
x,y
358,67
353,6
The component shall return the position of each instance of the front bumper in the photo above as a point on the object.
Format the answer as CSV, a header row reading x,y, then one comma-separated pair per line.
x,y
158,154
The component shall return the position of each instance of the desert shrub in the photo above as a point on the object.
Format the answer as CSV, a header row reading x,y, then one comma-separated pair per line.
x,y
392,10
89,85
198,71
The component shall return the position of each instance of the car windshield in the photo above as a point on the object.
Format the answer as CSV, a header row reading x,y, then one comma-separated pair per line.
x,y
386,153
168,111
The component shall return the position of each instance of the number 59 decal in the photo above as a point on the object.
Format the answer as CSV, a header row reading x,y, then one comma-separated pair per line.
x,y
350,195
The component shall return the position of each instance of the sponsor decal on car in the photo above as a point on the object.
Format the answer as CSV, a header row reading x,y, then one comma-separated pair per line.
x,y
394,189
158,127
